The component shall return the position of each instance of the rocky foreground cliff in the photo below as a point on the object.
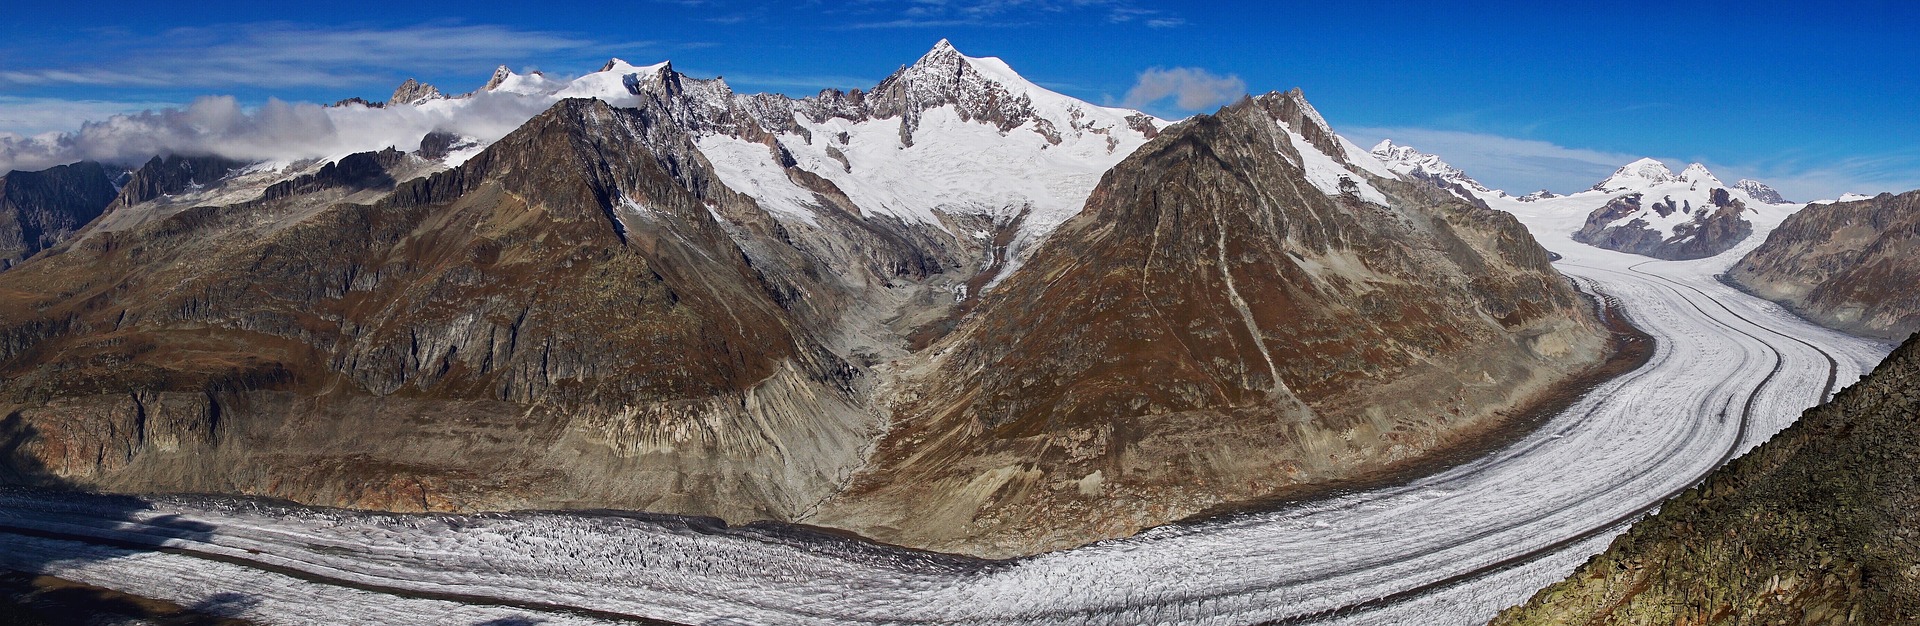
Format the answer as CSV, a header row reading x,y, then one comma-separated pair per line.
x,y
1820,525
670,297
1853,266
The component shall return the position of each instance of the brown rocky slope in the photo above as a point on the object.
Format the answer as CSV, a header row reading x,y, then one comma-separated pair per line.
x,y
1213,328
1817,526
1853,266
560,321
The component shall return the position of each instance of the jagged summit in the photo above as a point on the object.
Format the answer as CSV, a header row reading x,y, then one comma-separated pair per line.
x,y
415,92
1760,191
500,75
1409,161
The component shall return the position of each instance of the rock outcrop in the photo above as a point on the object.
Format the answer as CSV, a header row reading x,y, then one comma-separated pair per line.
x,y
414,92
41,209
1853,266
1817,526
172,174
1628,224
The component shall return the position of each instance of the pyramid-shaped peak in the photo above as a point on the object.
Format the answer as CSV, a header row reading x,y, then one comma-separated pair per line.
x,y
943,56
1698,174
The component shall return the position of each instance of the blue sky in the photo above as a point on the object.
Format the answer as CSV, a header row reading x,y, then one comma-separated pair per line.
x,y
1817,98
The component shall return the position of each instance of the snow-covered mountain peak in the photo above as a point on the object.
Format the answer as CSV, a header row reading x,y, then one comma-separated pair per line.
x,y
1638,175
1406,160
1700,176
1760,191
986,89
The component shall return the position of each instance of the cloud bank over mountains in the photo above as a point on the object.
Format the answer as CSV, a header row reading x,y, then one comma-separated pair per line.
x,y
278,131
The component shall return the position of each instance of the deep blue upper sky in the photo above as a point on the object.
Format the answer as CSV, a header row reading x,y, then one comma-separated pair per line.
x,y
1813,97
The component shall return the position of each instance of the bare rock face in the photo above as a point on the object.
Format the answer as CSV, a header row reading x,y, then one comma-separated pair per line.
x,y
1815,526
1622,225
1853,266
41,209
164,176
414,92
1212,329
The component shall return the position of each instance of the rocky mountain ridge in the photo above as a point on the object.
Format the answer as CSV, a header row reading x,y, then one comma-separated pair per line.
x,y
1847,265
1428,167
41,209
1642,208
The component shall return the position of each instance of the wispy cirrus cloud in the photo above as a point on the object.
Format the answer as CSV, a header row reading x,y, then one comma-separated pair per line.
x,y
283,55
1191,88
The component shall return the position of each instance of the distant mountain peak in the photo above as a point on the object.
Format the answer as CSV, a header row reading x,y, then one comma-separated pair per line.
x,y
1411,162
1639,174
1699,175
500,75
1760,191
415,92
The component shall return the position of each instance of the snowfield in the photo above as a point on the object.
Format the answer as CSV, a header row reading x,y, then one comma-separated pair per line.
x,y
1729,370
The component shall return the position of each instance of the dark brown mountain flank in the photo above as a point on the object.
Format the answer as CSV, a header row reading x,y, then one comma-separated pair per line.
x,y
40,209
1214,328
1817,526
1713,230
584,315
561,320
1854,266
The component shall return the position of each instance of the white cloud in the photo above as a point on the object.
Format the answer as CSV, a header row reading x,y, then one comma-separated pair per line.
x,y
1800,181
1191,88
33,116
277,131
